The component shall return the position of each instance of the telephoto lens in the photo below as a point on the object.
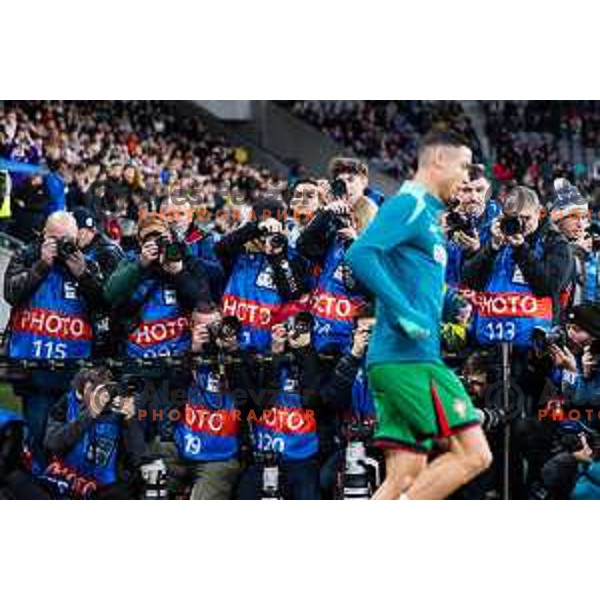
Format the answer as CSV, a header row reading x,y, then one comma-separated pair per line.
x,y
356,474
491,418
270,478
154,475
543,339
361,473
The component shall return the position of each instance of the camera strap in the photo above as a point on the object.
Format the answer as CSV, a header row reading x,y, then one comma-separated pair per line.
x,y
136,318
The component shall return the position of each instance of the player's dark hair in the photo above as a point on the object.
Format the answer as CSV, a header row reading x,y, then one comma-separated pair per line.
x,y
441,138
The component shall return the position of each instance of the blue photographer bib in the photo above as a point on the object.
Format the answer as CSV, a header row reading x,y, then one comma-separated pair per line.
x,y
252,297
162,327
53,323
95,454
508,310
333,306
287,428
209,427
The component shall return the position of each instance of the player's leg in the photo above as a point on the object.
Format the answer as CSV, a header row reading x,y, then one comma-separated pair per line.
x,y
401,469
468,456
397,394
468,451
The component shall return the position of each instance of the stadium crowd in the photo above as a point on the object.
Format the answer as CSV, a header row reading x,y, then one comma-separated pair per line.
x,y
534,142
184,325
384,132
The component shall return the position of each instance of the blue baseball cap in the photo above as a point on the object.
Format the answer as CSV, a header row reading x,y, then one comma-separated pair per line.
x,y
85,218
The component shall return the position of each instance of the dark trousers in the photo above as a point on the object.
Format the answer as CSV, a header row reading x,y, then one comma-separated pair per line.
x,y
330,474
36,408
43,390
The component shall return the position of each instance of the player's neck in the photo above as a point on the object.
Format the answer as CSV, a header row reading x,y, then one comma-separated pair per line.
x,y
426,179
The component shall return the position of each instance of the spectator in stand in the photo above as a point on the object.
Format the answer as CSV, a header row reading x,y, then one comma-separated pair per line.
x,y
570,213
117,158
384,132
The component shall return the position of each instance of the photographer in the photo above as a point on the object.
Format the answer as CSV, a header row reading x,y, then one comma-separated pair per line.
x,y
348,412
521,273
305,197
541,439
579,361
91,431
208,436
479,377
53,290
573,471
94,244
571,215
97,247
467,224
285,428
155,291
265,276
337,296
180,215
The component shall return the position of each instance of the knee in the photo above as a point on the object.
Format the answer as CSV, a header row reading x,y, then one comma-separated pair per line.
x,y
394,485
398,483
478,460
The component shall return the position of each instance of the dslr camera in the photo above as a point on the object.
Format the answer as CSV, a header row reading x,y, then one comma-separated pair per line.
x,y
511,225
172,251
338,188
66,247
543,338
299,324
124,389
492,418
277,240
573,437
456,222
228,327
